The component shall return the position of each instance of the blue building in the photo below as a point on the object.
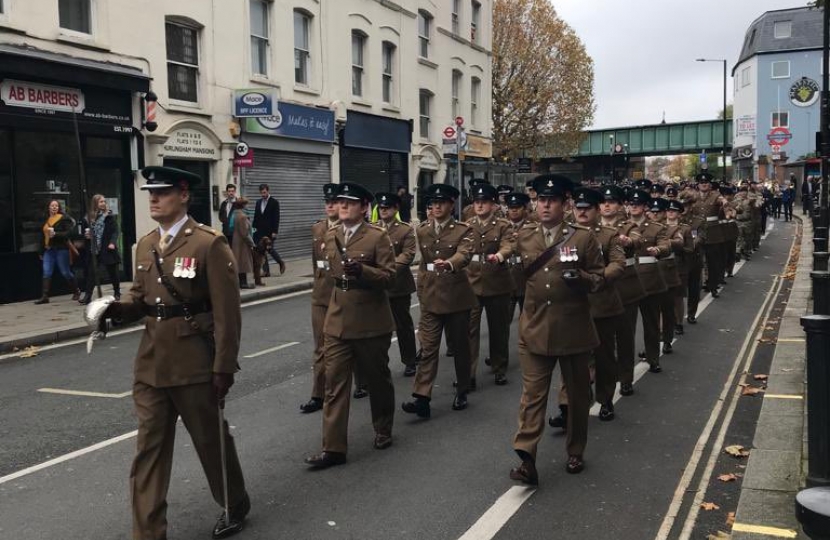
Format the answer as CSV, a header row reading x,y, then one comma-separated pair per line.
x,y
777,82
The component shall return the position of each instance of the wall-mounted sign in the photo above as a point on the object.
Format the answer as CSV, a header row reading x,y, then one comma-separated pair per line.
x,y
190,143
745,126
479,147
428,161
296,121
41,96
243,156
779,136
804,92
254,102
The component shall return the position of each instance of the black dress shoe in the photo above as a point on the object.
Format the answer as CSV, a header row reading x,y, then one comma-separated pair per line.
x,y
715,294
324,460
382,442
472,387
575,465
667,348
460,402
642,355
626,389
410,370
85,300
678,330
487,361
501,380
235,520
606,412
691,319
450,352
655,368
313,405
360,393
418,406
525,473
419,355
560,421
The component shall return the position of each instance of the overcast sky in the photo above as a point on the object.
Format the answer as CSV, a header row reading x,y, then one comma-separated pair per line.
x,y
644,54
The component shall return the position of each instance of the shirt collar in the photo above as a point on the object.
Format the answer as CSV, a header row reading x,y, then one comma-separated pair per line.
x,y
174,230
553,230
353,229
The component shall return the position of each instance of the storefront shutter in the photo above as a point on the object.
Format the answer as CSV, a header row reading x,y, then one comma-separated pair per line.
x,y
373,169
296,181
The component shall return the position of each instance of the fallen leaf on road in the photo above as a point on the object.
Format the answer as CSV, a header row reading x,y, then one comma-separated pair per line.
x,y
727,477
761,377
724,329
709,506
751,390
736,450
730,519
720,535
29,352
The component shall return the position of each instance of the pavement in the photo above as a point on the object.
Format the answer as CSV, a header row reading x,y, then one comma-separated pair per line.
x,y
24,324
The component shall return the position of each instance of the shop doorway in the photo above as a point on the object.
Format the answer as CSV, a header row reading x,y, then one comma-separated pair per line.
x,y
200,209
425,179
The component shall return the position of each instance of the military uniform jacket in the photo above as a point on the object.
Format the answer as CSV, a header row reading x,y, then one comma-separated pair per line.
x,y
670,264
742,204
650,234
683,253
556,319
323,284
514,263
706,213
175,352
629,285
446,291
362,311
606,301
494,236
402,237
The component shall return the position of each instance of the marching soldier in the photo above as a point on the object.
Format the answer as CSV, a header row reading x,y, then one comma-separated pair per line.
x,y
489,276
504,191
707,210
683,254
187,291
402,237
563,264
446,299
743,215
669,268
321,294
756,192
517,214
730,231
695,260
362,266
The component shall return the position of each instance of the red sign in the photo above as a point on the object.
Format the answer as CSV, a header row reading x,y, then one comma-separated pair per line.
x,y
779,136
243,156
459,121
449,132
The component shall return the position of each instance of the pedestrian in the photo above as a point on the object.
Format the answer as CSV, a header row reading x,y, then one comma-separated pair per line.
x,y
185,290
489,275
226,208
806,193
787,200
267,223
446,298
242,244
101,233
402,237
563,264
321,294
358,325
517,214
405,208
57,234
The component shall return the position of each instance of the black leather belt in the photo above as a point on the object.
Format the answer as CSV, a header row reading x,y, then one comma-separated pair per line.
x,y
346,284
163,311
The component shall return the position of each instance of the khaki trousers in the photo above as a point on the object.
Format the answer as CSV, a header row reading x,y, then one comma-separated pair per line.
x,y
404,328
370,356
157,410
498,328
430,328
318,381
537,372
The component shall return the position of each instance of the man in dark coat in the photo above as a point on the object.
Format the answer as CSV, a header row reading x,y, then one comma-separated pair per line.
x,y
267,223
225,210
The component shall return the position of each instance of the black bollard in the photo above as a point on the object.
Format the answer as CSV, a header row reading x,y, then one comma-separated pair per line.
x,y
821,292
817,328
812,509
820,260
819,244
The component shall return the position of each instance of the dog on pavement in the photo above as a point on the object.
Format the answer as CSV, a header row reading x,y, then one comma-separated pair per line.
x,y
260,252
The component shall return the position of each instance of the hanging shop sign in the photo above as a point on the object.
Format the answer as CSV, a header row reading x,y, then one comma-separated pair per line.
x,y
254,102
804,92
295,121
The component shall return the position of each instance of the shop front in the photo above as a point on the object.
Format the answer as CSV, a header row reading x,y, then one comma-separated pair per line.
x,y
292,154
43,157
374,151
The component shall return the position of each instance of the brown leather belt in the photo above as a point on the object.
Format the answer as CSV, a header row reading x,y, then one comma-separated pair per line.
x,y
163,311
347,284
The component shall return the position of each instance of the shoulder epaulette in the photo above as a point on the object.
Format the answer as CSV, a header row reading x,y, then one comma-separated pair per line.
x,y
423,223
532,225
205,228
376,227
578,227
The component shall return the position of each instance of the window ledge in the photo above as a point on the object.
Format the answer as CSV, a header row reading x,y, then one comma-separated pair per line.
x,y
6,26
84,41
360,102
187,108
391,108
306,90
428,63
261,79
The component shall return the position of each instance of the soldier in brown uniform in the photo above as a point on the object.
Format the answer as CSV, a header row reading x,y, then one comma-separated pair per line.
x,y
517,214
446,298
707,210
629,286
695,259
362,265
731,232
683,253
402,236
563,263
649,241
321,294
670,270
187,291
742,203
489,275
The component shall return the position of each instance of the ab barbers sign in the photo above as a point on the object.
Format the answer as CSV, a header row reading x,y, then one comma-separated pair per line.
x,y
41,96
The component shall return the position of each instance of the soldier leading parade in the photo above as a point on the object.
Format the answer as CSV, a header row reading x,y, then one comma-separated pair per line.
x,y
579,266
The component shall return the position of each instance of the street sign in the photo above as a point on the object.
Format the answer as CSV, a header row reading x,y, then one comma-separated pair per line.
x,y
450,147
449,132
779,136
243,156
254,102
462,139
459,121
776,148
703,157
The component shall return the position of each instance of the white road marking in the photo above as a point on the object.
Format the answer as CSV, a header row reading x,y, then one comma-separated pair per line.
x,y
67,457
83,393
491,522
272,349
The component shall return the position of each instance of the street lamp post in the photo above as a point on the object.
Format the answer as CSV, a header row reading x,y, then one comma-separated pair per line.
x,y
611,155
725,128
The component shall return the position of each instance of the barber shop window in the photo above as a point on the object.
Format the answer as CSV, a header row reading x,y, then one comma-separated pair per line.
x,y
75,15
182,62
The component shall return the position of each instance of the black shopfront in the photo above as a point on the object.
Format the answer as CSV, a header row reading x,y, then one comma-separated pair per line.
x,y
41,156
374,151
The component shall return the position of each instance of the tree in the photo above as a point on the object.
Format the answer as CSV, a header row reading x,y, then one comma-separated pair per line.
x,y
728,113
543,80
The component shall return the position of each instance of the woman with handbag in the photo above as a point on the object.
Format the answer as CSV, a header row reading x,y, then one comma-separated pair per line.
x,y
243,243
57,230
101,233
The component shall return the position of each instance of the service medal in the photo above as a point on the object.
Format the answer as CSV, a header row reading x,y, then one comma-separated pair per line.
x,y
192,271
177,271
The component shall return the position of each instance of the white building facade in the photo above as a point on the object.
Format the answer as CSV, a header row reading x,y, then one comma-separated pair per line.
x,y
365,90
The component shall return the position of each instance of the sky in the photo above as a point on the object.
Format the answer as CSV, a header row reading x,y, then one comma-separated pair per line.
x,y
644,54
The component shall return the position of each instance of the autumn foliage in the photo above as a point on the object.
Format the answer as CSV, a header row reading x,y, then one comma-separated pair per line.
x,y
543,80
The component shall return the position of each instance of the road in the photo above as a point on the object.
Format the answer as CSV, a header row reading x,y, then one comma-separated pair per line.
x,y
445,478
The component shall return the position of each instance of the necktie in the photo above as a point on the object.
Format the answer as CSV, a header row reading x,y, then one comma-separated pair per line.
x,y
548,238
165,241
438,228
348,235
